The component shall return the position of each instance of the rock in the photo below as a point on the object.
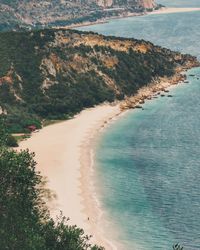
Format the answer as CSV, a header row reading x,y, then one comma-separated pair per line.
x,y
141,102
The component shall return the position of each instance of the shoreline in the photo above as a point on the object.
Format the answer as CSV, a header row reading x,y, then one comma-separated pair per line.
x,y
163,10
171,10
63,156
91,203
99,21
64,153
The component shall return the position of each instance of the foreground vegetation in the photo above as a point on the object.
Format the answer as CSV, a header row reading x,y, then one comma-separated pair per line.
x,y
25,222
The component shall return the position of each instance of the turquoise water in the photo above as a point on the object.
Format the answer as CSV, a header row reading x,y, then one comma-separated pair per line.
x,y
148,161
149,164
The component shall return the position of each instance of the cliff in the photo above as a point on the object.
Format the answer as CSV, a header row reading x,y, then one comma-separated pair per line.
x,y
53,74
147,4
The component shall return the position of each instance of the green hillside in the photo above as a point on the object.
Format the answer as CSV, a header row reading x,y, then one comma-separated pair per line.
x,y
53,74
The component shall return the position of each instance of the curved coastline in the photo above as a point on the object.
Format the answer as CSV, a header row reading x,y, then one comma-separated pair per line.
x,y
91,204
62,156
163,10
64,153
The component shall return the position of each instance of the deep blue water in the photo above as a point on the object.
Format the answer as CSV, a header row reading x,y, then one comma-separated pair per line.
x,y
148,161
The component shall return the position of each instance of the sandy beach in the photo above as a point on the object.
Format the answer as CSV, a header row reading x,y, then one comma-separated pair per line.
x,y
62,153
64,156
168,10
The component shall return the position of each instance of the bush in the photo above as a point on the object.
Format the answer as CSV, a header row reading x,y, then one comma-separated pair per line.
x,y
11,141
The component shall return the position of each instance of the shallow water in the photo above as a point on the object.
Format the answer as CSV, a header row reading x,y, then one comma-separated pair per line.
x,y
149,164
148,161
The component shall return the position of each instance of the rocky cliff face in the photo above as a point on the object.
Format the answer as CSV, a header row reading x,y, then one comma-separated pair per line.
x,y
147,4
105,3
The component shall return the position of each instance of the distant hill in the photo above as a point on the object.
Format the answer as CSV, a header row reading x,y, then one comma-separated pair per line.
x,y
53,74
30,13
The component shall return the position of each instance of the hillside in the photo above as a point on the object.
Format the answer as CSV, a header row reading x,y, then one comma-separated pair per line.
x,y
53,74
31,13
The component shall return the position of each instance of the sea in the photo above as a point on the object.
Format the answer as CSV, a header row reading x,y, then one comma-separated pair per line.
x,y
147,174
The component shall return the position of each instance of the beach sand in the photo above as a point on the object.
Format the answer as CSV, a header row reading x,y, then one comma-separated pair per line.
x,y
62,152
168,10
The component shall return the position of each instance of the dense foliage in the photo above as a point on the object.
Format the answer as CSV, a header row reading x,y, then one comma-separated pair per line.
x,y
43,75
25,222
6,139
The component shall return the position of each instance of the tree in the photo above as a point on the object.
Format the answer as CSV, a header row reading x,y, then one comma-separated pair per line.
x,y
5,138
25,222
3,132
